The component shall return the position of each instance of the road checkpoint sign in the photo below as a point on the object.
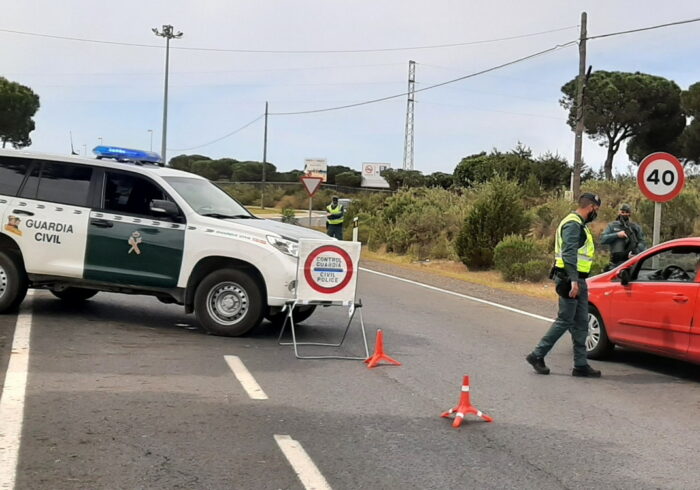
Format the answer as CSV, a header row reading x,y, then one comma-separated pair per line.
x,y
660,177
327,271
311,184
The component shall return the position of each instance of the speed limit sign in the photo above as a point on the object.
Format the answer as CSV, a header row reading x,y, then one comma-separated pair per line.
x,y
661,177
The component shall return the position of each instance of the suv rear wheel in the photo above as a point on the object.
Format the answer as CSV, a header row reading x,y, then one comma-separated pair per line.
x,y
228,302
13,282
75,295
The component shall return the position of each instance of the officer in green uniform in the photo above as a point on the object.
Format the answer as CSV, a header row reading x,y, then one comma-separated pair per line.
x,y
334,219
573,252
625,238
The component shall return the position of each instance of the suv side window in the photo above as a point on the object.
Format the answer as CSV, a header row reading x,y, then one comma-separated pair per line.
x,y
131,194
58,182
12,172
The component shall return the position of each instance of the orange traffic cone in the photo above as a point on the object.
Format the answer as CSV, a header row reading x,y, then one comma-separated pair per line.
x,y
379,354
465,407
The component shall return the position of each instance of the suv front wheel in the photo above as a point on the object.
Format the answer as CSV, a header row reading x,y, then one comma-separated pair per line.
x,y
228,302
13,283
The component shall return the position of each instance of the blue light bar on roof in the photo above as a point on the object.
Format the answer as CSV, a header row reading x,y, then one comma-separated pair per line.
x,y
126,154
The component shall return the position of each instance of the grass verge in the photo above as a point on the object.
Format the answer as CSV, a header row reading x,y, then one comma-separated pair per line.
x,y
457,270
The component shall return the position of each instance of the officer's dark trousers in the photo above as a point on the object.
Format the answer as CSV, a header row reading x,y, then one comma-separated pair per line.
x,y
335,231
573,316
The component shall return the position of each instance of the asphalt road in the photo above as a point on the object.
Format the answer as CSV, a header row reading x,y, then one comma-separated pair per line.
x,y
126,393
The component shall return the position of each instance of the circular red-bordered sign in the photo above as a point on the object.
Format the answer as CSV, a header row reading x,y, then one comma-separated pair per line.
x,y
661,177
328,264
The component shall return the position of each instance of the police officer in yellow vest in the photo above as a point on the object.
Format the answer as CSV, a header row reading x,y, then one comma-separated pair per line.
x,y
334,219
573,254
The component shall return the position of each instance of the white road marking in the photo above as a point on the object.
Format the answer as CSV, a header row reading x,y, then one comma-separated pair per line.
x,y
13,394
245,378
306,470
459,295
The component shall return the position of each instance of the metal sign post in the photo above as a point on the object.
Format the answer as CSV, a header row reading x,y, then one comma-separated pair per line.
x,y
311,184
661,178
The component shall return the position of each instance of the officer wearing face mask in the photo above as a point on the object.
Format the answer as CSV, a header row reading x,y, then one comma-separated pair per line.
x,y
574,249
624,237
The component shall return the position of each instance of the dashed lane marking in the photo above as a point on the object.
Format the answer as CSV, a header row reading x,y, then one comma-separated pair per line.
x,y
13,394
459,295
302,464
245,378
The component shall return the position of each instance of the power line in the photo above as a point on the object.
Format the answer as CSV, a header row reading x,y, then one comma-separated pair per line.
x,y
277,51
430,87
220,138
659,26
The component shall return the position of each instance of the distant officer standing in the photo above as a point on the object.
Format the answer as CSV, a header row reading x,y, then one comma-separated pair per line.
x,y
334,219
573,253
625,238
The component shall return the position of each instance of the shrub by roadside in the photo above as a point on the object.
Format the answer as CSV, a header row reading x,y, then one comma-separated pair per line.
x,y
521,259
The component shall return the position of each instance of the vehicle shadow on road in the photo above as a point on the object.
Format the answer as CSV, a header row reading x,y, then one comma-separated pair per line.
x,y
654,365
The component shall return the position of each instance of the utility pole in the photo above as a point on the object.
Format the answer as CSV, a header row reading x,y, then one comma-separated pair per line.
x,y
168,34
151,133
264,163
408,141
578,141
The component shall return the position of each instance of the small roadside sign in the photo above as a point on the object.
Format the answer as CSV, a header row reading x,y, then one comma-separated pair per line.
x,y
661,177
327,272
311,184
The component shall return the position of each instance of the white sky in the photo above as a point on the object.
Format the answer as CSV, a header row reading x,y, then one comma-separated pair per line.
x,y
116,92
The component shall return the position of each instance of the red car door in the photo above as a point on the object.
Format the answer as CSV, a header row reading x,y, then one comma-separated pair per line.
x,y
655,310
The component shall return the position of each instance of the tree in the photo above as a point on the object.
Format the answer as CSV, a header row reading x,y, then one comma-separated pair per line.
x,y
398,178
689,141
334,170
548,171
497,212
348,179
619,106
184,162
439,179
18,104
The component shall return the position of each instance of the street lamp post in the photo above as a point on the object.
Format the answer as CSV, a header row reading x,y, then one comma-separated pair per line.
x,y
168,34
151,133
100,138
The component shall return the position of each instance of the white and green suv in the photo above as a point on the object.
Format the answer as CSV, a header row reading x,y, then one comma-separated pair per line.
x,y
77,226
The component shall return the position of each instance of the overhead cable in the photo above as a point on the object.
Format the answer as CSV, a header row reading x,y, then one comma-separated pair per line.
x,y
220,138
659,26
278,51
430,87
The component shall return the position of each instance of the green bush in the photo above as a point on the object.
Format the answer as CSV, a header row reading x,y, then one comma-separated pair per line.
x,y
497,212
518,258
288,216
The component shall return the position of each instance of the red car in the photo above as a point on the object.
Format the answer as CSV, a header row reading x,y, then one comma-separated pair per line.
x,y
649,303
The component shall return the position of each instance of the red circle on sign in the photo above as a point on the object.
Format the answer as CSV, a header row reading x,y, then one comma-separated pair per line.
x,y
650,159
312,256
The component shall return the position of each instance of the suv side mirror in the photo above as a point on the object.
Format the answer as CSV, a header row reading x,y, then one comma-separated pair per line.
x,y
166,208
625,277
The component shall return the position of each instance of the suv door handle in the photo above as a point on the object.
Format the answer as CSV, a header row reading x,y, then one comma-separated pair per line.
x,y
22,211
102,223
680,298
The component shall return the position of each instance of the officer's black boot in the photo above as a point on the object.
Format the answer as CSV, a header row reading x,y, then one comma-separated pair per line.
x,y
537,363
585,372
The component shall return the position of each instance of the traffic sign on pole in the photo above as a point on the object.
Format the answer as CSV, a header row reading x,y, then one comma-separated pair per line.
x,y
311,184
661,177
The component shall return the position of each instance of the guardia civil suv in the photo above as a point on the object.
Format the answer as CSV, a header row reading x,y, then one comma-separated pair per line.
x,y
77,226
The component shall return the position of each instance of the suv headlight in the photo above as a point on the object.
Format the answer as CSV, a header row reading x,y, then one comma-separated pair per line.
x,y
284,245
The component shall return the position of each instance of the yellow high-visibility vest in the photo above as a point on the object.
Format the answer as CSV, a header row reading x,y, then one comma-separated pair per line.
x,y
337,210
585,253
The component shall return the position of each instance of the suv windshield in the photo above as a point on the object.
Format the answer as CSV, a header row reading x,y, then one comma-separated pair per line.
x,y
207,199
